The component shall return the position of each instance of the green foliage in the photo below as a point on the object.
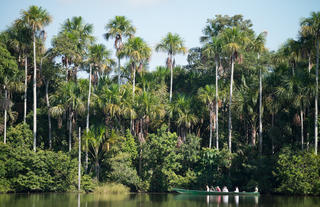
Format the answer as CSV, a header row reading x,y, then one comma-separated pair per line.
x,y
112,188
20,136
44,171
161,160
297,173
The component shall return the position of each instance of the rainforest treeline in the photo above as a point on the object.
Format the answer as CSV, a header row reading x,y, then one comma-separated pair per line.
x,y
235,115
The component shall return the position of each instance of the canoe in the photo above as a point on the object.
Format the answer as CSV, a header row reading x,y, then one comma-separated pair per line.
x,y
202,192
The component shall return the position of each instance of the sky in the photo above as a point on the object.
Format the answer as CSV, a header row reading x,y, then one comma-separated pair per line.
x,y
153,19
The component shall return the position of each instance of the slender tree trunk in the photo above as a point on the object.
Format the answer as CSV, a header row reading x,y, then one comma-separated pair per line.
x,y
301,119
34,94
49,116
210,139
316,103
134,81
79,160
25,89
272,139
5,117
260,112
70,129
309,63
171,77
97,165
217,108
67,69
253,135
230,103
119,72
88,116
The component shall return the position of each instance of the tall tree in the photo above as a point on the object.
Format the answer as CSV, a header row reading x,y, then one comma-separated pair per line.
x,y
213,49
207,96
311,26
36,18
8,75
233,42
172,44
258,47
139,53
118,28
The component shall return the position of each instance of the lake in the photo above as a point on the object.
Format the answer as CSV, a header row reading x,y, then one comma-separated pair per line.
x,y
153,200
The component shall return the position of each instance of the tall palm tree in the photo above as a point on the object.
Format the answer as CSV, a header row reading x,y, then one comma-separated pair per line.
x,y
98,59
172,44
68,97
21,39
214,49
311,26
8,77
233,41
207,96
36,18
258,47
118,28
80,34
139,53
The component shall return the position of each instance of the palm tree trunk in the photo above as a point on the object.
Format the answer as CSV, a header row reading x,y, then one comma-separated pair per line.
x,y
260,112
301,119
230,103
217,108
97,165
25,89
272,125
134,80
119,72
5,117
70,129
88,114
34,94
171,77
79,160
309,63
67,69
253,135
49,116
316,103
210,139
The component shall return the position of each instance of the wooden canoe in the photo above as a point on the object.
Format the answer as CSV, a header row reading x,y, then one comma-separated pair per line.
x,y
202,192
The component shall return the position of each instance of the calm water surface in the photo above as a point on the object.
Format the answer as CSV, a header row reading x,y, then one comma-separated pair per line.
x,y
146,200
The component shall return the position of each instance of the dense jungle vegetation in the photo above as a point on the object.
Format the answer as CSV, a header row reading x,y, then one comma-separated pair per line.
x,y
235,115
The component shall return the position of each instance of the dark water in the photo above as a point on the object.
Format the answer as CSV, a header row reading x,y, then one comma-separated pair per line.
x,y
154,200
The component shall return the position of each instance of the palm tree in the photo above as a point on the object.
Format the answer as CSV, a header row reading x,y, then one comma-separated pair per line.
x,y
99,59
186,118
139,53
8,77
311,26
214,49
172,44
207,96
20,40
80,35
118,28
68,97
36,18
258,47
233,41
97,138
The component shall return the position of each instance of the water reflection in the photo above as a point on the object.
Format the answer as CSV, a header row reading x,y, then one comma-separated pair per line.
x,y
146,200
218,200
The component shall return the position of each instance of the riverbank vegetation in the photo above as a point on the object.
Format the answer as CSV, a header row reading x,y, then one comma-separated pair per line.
x,y
235,115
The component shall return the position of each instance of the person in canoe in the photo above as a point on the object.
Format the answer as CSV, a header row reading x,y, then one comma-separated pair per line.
x,y
236,190
256,189
225,189
207,187
218,189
